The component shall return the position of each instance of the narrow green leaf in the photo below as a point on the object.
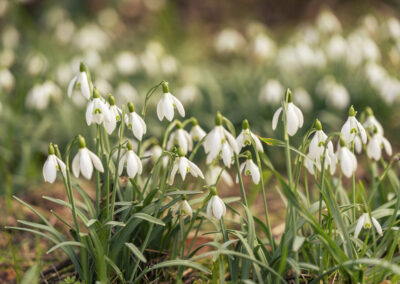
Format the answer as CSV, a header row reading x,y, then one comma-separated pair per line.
x,y
136,252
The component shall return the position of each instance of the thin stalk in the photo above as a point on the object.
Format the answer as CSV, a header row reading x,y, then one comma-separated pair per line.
x,y
242,190
99,153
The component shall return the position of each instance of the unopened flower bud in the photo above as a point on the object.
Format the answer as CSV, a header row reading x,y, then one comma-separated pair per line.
x,y
218,118
352,112
180,151
245,124
111,100
83,67
318,124
131,107
81,141
51,150
165,87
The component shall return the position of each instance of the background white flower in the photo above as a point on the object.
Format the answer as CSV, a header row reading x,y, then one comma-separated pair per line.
x,y
84,161
216,207
165,107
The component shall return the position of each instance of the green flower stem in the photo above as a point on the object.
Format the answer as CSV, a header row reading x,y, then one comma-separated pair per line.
x,y
232,273
163,188
242,190
99,154
262,187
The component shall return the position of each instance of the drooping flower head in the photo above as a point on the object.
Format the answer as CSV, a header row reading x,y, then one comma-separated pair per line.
x,y
219,140
52,165
132,162
180,137
346,158
365,222
184,166
182,208
294,116
84,161
353,132
250,169
81,80
371,122
197,133
246,137
216,206
115,115
317,150
375,145
135,122
97,110
165,107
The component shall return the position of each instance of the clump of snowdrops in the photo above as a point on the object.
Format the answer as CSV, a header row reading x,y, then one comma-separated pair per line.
x,y
136,227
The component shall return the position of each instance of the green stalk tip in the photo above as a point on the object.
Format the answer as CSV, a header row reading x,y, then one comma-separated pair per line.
x,y
165,87
352,112
318,124
245,124
218,118
131,107
51,150
96,93
83,67
369,111
81,141
289,95
111,100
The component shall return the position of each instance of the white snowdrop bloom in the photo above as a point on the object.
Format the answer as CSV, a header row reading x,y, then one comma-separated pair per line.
x,y
263,47
316,151
371,123
246,137
219,140
216,207
84,161
271,93
104,85
184,166
7,57
294,116
132,162
229,41
188,93
36,64
250,169
52,165
346,158
125,93
165,107
169,64
65,31
10,36
375,145
63,74
365,222
115,115
336,48
182,208
81,80
91,37
303,99
214,171
40,95
375,74
182,138
328,23
335,94
370,23
155,153
353,131
197,133
7,80
97,110
135,122
127,63
392,28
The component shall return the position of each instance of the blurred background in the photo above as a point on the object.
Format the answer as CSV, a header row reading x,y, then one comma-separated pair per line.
x,y
237,57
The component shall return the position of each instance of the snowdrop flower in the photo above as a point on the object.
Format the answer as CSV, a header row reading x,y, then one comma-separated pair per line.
x,y
250,168
155,153
115,115
52,165
135,122
353,131
165,107
219,140
371,123
40,95
132,162
294,116
316,151
211,176
365,222
182,208
375,144
184,166
81,80
271,92
97,110
84,161
328,23
346,158
246,137
229,41
216,206
180,137
197,133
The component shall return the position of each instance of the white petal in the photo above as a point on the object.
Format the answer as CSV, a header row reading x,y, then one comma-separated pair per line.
x,y
173,173
209,207
178,105
259,146
85,89
299,115
239,141
76,165
85,163
387,146
357,144
362,132
50,170
232,141
217,208
195,170
292,121
255,173
121,164
71,85
183,166
160,112
275,118
374,149
89,113
226,155
359,226
131,166
62,166
137,127
377,226
96,161
167,107
346,162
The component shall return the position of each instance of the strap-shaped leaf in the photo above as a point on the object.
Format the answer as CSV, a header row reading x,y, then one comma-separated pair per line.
x,y
63,244
136,252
